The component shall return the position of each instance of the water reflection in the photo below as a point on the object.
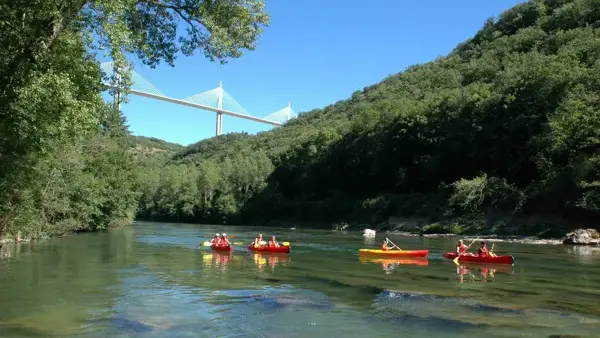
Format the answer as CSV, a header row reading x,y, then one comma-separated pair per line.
x,y
4,251
389,264
217,259
585,253
134,282
271,259
478,272
369,241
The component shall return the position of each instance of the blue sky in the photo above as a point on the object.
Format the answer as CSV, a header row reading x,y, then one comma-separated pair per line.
x,y
314,53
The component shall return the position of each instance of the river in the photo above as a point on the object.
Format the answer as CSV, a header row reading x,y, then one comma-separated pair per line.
x,y
153,280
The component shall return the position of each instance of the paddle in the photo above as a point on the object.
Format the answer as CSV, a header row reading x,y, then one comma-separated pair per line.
x,y
207,243
491,252
455,260
397,247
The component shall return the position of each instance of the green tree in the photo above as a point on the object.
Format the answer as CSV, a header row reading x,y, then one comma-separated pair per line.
x,y
64,163
506,123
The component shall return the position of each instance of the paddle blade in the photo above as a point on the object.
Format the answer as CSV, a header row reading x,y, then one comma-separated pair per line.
x,y
207,244
455,260
238,243
286,243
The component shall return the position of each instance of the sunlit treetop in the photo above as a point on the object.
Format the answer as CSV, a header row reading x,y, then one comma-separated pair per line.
x,y
221,29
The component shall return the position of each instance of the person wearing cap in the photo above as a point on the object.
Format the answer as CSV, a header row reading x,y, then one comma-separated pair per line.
x,y
273,243
224,240
258,241
215,241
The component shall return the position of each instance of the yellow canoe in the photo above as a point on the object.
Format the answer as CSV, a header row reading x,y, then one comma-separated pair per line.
x,y
394,253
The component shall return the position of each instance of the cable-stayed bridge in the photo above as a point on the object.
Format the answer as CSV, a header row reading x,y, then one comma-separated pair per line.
x,y
215,100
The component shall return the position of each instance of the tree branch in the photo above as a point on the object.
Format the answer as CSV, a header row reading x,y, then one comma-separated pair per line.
x,y
179,11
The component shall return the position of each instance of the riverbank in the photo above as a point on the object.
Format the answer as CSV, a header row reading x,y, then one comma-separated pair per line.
x,y
10,239
400,226
531,230
487,238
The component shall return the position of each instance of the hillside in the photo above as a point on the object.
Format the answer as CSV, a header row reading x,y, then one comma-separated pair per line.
x,y
503,127
152,144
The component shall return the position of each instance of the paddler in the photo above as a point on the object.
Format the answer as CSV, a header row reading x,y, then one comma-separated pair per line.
x,y
258,241
215,240
384,245
483,251
461,248
273,243
224,240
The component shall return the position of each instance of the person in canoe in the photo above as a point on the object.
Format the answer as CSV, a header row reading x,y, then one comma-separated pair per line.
x,y
224,241
483,251
461,248
384,245
258,241
215,240
273,243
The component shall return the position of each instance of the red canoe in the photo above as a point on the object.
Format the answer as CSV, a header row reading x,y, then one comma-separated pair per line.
x,y
221,247
280,249
479,259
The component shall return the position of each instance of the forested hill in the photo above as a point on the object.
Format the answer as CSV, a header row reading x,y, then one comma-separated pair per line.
x,y
152,144
506,125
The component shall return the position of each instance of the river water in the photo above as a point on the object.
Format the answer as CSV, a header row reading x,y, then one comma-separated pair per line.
x,y
153,280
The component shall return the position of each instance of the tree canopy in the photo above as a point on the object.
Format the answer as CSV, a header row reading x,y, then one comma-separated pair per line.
x,y
64,158
507,123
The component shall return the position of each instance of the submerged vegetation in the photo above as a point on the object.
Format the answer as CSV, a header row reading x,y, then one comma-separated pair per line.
x,y
504,127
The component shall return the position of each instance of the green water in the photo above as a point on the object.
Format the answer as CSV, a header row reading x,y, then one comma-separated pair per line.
x,y
152,280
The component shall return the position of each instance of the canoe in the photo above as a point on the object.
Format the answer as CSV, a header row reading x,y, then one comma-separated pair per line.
x,y
394,253
221,247
400,260
478,259
280,249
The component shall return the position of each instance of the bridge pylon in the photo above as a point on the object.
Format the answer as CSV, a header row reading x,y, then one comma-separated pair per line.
x,y
220,107
215,100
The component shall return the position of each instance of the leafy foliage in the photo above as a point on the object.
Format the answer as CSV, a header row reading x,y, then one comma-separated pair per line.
x,y
507,122
65,158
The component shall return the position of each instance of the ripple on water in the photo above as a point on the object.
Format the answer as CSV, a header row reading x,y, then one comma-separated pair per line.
x,y
151,281
176,241
456,314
